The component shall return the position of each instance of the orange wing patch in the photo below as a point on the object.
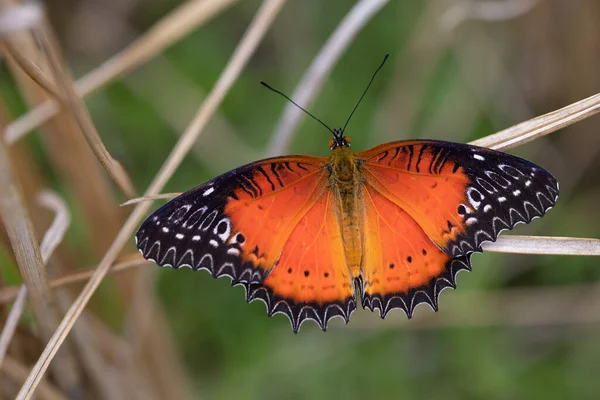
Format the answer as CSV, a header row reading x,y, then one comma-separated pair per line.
x,y
402,267
428,187
311,279
268,204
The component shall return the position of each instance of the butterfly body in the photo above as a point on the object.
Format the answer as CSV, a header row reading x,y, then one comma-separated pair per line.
x,y
344,181
297,232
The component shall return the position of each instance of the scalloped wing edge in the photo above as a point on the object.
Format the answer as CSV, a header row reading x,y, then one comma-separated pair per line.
x,y
428,293
251,280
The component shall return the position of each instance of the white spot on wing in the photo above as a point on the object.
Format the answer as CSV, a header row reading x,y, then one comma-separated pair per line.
x,y
208,191
487,208
165,229
478,157
179,236
233,251
196,238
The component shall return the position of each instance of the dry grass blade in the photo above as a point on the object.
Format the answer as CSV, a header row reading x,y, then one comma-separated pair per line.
x,y
167,31
542,125
9,293
558,246
56,232
18,373
31,265
32,70
254,34
316,74
12,321
74,104
51,240
150,198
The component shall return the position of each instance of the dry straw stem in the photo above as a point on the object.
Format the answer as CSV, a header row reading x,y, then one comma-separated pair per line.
x,y
9,293
10,326
254,34
150,198
176,25
52,239
31,265
74,104
319,69
542,125
559,246
31,69
17,372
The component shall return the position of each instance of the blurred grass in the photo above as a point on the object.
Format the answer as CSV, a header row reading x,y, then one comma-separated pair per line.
x,y
233,350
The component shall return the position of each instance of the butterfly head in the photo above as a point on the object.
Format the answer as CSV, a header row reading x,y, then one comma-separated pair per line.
x,y
339,140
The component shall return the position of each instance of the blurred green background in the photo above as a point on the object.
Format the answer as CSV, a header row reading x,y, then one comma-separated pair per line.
x,y
503,334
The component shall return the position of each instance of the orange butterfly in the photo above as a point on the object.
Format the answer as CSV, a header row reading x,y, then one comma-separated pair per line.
x,y
400,219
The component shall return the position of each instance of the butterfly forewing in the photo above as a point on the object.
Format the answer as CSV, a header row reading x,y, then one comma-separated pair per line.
x,y
460,195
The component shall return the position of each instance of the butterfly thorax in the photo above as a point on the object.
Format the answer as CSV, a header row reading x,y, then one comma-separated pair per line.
x,y
344,181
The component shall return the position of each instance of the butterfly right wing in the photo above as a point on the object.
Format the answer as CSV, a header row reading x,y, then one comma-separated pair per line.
x,y
254,224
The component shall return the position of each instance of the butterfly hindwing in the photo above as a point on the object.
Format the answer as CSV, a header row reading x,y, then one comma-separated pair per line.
x,y
460,195
402,267
311,279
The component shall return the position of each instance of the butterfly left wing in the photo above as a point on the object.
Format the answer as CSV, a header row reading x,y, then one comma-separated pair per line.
x,y
269,226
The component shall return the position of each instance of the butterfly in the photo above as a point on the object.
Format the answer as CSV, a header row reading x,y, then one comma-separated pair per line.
x,y
311,236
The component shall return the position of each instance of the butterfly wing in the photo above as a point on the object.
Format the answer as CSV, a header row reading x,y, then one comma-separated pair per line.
x,y
253,224
311,279
431,204
402,266
460,195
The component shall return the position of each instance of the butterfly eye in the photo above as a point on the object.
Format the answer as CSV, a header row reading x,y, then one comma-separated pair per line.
x,y
331,142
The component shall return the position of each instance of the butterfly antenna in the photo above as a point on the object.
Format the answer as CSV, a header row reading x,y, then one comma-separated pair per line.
x,y
297,105
365,92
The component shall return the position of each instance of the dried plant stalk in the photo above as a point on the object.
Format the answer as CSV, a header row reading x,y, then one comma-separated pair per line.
x,y
9,293
559,246
32,70
542,125
31,265
10,326
262,21
79,112
171,28
52,238
18,373
77,167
